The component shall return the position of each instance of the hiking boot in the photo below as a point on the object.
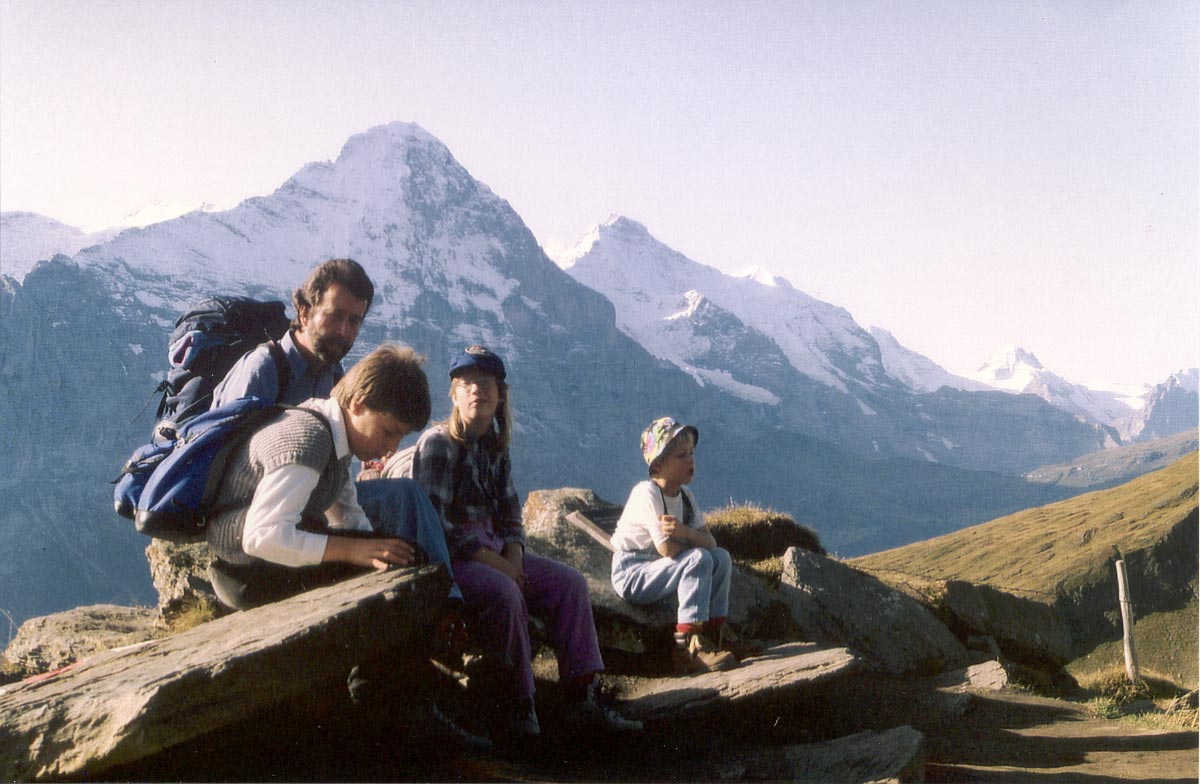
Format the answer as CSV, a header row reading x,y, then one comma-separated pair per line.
x,y
596,712
695,653
729,640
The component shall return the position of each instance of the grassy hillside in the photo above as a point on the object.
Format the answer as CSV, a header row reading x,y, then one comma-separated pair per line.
x,y
1062,554
1049,550
1111,467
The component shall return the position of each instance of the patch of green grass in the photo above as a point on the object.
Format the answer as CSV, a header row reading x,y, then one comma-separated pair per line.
x,y
1165,643
753,533
197,611
1151,703
1053,549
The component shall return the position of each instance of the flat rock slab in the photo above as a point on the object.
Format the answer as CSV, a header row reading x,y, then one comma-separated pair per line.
x,y
895,755
778,672
123,705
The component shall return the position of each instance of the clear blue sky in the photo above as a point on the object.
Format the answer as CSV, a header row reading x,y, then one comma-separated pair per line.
x,y
965,174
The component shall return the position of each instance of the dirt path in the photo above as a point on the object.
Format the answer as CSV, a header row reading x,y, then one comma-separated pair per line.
x,y
1016,737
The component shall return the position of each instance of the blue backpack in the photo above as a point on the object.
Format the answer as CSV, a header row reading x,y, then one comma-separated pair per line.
x,y
169,487
207,341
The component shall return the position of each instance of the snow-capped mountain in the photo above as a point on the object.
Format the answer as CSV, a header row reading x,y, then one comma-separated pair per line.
x,y
916,371
1159,410
392,196
654,287
1167,408
27,238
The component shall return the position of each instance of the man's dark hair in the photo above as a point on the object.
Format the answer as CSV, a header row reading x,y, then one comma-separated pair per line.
x,y
347,272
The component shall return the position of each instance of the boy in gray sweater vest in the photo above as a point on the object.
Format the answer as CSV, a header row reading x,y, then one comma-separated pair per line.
x,y
293,521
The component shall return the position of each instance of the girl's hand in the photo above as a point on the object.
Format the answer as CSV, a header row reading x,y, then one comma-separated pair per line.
x,y
502,564
670,526
515,555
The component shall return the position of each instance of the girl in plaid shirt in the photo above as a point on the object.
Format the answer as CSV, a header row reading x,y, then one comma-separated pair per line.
x,y
464,465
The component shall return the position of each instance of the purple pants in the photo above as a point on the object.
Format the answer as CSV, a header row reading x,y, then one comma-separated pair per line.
x,y
554,592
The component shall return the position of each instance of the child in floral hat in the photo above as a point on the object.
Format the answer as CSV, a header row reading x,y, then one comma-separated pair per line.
x,y
663,548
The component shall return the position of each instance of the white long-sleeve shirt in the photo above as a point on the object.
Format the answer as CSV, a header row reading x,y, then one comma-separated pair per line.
x,y
271,531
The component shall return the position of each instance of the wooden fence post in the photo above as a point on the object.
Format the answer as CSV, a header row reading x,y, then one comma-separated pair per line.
x,y
1131,667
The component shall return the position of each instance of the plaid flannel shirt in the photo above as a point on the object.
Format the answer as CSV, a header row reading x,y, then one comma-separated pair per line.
x,y
479,492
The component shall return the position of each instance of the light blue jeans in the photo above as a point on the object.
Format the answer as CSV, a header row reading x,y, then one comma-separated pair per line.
x,y
698,577
401,508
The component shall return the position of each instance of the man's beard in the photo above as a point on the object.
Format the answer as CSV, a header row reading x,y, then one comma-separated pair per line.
x,y
329,348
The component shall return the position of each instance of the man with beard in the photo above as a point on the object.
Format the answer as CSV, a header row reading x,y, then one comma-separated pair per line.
x,y
330,308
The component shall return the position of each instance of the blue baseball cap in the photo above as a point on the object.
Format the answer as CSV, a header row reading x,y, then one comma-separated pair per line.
x,y
477,357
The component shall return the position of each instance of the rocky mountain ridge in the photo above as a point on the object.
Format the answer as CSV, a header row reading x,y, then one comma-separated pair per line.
x,y
656,291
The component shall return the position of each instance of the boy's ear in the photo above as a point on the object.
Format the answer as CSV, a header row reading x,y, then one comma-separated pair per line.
x,y
357,407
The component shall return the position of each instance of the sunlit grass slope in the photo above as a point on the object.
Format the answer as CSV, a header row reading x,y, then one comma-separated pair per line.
x,y
1052,549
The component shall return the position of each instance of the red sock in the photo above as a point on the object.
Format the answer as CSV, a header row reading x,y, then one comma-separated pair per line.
x,y
686,628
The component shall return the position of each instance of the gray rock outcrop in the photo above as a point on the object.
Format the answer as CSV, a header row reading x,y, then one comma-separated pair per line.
x,y
180,574
1027,632
53,641
836,604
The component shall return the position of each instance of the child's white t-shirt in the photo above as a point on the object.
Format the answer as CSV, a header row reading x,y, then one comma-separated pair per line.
x,y
639,529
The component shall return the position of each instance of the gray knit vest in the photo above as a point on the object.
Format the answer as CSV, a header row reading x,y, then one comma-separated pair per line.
x,y
292,438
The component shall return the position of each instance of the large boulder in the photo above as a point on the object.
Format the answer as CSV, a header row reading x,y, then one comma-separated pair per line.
x,y
839,605
1028,632
54,641
123,705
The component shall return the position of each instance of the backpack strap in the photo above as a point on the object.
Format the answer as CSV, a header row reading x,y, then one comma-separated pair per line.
x,y
217,473
283,370
688,513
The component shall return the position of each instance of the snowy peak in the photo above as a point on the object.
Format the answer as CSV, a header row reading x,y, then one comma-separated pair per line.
x,y
915,371
647,281
1167,408
394,198
158,211
1010,367
760,276
1013,369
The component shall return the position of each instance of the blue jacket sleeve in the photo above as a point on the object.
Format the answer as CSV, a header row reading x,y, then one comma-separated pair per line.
x,y
254,374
